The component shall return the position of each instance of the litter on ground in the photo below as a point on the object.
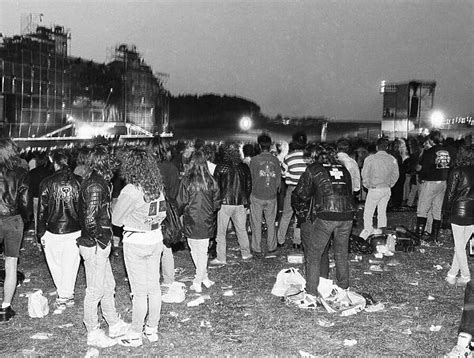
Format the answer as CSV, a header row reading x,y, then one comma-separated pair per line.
x,y
41,335
228,293
350,342
434,328
195,302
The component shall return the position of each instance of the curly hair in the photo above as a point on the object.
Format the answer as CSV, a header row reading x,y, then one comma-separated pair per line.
x,y
140,168
102,162
9,154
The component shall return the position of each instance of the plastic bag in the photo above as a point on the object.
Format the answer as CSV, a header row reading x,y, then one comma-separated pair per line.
x,y
37,305
288,280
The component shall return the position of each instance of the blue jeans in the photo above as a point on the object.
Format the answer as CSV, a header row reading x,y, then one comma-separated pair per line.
x,y
257,208
238,214
143,270
315,237
100,287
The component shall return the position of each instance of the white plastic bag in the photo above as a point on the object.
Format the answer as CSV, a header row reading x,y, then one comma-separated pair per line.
x,y
37,305
288,280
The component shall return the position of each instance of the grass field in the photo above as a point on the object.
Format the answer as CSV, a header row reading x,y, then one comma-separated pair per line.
x,y
253,322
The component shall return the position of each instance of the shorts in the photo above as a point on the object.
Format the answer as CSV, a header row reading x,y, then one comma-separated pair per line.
x,y
11,234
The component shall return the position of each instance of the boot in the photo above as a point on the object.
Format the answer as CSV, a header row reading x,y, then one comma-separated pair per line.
x,y
212,249
420,227
435,230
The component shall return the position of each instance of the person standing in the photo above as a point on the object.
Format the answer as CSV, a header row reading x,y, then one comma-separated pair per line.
x,y
59,228
266,176
458,207
235,184
351,165
433,171
95,246
379,175
294,165
140,209
15,211
324,205
198,199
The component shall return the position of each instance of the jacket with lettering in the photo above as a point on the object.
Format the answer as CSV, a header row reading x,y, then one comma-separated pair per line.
x,y
324,191
94,212
58,203
435,163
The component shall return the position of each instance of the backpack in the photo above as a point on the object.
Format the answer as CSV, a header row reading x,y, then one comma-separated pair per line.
x,y
171,226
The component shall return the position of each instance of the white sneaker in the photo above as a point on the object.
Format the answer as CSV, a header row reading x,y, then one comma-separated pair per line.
x,y
208,283
98,338
151,333
118,329
196,287
176,293
451,279
131,339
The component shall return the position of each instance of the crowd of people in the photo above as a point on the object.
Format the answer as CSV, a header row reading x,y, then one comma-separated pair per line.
x,y
79,203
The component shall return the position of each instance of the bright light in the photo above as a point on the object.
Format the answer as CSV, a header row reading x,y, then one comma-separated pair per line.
x,y
437,119
245,123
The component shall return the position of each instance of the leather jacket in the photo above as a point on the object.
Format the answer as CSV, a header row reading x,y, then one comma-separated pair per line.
x,y
324,191
235,183
458,203
58,203
15,194
94,212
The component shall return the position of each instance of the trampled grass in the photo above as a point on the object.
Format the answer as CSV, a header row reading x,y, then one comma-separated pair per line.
x,y
252,322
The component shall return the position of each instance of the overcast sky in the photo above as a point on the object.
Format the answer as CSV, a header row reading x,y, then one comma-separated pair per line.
x,y
295,58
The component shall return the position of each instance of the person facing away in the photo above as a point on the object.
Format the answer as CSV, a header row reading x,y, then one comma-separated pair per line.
x,y
266,177
140,209
59,227
324,205
15,211
235,184
379,175
95,246
199,200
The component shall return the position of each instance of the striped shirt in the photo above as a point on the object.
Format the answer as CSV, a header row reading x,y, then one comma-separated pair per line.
x,y
294,165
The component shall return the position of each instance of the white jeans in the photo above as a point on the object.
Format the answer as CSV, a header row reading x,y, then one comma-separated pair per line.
x,y
431,196
199,254
376,198
461,236
62,257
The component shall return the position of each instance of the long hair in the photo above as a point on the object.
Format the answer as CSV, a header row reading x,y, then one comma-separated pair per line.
x,y
140,168
9,154
159,149
102,162
197,174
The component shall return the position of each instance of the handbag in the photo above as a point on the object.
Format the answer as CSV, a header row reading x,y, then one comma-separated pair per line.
x,y
171,226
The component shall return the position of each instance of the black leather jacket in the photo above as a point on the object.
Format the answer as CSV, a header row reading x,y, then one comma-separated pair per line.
x,y
15,194
324,191
458,203
94,212
235,183
58,203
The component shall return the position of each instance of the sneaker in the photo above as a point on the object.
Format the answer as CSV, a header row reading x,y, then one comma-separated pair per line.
x,y
118,329
131,339
463,280
462,348
151,333
176,293
6,314
308,302
208,283
98,338
196,287
65,301
217,262
451,279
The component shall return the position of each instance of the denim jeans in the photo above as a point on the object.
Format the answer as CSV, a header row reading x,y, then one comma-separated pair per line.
x,y
461,235
431,196
199,255
467,318
143,268
62,257
238,214
167,265
315,237
286,219
100,286
376,198
269,208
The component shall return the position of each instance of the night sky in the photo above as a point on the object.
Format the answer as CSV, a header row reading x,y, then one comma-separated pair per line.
x,y
295,58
